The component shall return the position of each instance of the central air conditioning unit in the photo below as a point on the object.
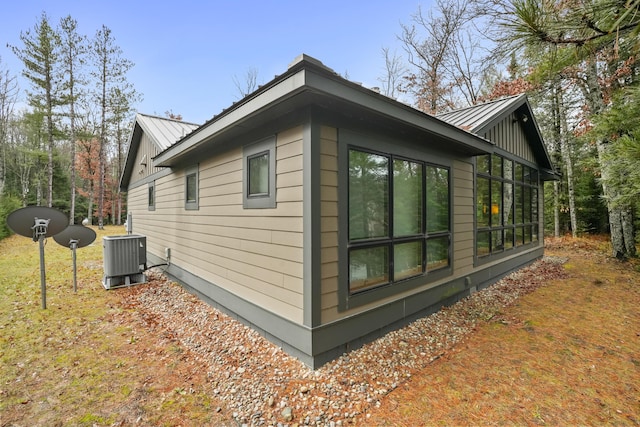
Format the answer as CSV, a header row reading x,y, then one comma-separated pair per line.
x,y
125,260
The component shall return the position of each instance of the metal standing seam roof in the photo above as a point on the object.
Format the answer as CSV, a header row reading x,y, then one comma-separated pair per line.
x,y
480,118
476,117
165,132
309,81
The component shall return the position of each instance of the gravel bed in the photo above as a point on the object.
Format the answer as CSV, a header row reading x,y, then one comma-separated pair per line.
x,y
261,385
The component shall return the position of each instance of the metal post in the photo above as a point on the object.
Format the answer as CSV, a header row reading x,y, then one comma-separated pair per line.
x,y
74,244
43,278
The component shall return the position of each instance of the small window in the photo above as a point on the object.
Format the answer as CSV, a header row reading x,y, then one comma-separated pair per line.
x,y
259,175
258,169
191,188
152,196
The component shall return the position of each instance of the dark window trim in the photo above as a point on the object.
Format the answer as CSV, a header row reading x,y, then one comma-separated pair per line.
x,y
532,225
259,201
151,196
192,205
349,300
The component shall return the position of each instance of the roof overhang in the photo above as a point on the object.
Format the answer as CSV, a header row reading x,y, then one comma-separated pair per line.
x,y
522,109
480,119
134,143
308,83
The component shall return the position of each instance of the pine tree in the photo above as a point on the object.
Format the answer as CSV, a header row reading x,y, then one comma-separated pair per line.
x,y
109,71
592,43
40,56
73,52
122,99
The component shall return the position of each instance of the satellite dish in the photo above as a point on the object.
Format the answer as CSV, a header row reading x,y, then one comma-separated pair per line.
x,y
75,236
38,222
35,220
79,234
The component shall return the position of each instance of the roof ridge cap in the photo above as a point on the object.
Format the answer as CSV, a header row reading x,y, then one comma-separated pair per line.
x,y
504,98
153,116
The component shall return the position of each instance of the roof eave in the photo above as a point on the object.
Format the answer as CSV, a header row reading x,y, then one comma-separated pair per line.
x,y
238,113
531,128
508,108
549,175
136,133
398,111
305,76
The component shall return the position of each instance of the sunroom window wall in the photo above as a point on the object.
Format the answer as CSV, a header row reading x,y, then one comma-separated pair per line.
x,y
506,205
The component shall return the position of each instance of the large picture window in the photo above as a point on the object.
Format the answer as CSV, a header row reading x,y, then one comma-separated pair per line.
x,y
506,205
399,219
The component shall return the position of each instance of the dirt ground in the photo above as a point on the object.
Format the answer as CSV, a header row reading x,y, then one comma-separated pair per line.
x,y
568,353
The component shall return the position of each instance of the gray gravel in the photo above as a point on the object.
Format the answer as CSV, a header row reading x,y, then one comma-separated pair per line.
x,y
261,385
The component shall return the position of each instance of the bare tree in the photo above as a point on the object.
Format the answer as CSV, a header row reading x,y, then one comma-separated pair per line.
x,y
173,116
467,67
8,97
394,69
432,46
249,84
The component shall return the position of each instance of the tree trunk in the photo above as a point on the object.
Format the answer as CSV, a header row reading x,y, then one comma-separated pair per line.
x,y
90,207
568,164
619,249
50,157
72,212
556,209
103,143
593,95
119,221
38,194
628,230
24,184
558,117
72,114
48,75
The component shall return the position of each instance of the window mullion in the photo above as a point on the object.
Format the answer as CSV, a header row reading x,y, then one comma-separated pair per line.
x,y
390,217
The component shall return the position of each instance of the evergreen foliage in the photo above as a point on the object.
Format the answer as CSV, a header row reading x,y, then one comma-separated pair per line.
x,y
72,101
8,204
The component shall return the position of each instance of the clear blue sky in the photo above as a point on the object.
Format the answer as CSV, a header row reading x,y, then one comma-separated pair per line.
x,y
187,52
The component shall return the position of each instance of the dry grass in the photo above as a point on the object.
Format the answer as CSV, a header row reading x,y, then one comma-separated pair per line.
x,y
566,354
85,360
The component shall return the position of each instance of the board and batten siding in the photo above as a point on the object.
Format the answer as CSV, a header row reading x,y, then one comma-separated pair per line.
x,y
256,254
143,163
329,223
511,138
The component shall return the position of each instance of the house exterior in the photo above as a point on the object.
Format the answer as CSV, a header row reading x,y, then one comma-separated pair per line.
x,y
324,214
